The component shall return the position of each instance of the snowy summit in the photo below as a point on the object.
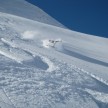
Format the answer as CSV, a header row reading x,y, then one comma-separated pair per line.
x,y
45,65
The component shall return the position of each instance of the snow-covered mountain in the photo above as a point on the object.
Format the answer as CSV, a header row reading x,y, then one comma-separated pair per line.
x,y
44,66
24,9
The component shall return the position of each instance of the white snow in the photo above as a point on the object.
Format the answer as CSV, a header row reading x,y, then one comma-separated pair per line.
x,y
4,100
8,42
43,66
29,34
24,9
103,97
11,56
46,43
51,67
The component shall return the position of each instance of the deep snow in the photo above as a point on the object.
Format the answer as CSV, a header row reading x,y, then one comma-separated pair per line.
x,y
43,66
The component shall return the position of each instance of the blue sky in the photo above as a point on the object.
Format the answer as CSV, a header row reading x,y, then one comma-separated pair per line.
x,y
87,16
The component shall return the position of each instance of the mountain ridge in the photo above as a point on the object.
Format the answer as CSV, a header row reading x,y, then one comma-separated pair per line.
x,y
27,10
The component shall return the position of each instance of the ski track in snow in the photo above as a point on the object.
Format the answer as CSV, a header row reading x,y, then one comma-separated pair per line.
x,y
29,86
25,83
29,79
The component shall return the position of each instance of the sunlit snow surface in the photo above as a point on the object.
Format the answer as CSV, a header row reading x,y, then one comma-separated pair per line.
x,y
25,9
43,66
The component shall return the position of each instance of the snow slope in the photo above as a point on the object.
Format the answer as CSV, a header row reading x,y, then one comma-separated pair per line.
x,y
43,66
27,10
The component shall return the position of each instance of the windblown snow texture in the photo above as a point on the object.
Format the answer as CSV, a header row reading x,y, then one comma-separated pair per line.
x,y
43,66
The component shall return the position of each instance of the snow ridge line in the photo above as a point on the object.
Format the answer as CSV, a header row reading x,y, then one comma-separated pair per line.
x,y
92,75
8,98
95,77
